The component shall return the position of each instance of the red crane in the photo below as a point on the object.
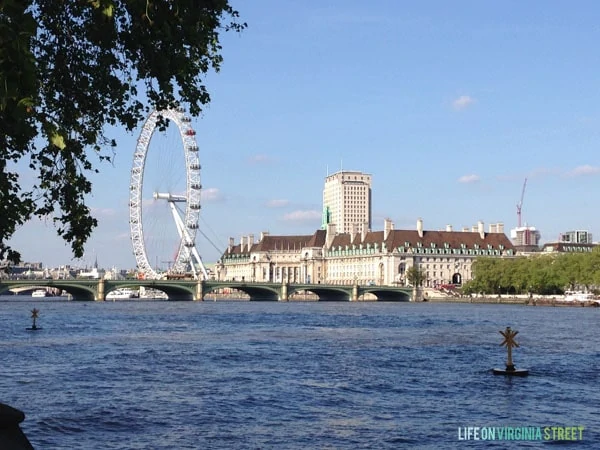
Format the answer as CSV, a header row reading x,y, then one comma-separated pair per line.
x,y
520,204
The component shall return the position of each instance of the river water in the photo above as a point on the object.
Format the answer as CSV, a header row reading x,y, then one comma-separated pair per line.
x,y
260,375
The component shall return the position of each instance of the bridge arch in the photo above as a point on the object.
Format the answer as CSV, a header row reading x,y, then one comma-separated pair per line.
x,y
174,290
329,293
256,292
81,290
387,295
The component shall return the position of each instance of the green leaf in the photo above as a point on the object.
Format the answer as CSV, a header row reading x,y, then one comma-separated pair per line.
x,y
108,11
58,140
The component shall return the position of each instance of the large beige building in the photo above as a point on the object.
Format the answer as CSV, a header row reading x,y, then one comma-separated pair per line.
x,y
347,201
365,257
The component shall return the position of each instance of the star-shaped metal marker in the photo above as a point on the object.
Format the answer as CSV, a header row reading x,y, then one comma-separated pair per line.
x,y
509,342
34,315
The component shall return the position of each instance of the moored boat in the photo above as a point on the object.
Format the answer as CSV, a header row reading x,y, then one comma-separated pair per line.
x,y
120,294
578,296
40,293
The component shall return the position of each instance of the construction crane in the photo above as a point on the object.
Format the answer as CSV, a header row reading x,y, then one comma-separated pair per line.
x,y
520,204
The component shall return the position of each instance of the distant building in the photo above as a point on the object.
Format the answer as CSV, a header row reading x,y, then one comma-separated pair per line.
x,y
347,201
92,274
366,257
567,247
525,239
23,270
576,237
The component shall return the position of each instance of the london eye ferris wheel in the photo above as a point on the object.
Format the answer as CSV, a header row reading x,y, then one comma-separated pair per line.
x,y
164,198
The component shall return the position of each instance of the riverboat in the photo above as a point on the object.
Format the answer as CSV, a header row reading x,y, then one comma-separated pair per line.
x,y
121,294
152,293
578,296
40,293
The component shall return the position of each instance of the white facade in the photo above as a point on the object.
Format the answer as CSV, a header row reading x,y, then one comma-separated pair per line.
x,y
347,201
375,257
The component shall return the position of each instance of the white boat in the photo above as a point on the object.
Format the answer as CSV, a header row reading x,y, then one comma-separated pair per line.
x,y
120,294
578,296
152,293
40,293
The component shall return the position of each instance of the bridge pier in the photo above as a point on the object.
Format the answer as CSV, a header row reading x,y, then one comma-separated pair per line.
x,y
354,297
100,297
199,291
284,293
417,294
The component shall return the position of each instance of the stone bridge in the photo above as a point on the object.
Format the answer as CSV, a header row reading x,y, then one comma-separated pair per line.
x,y
196,290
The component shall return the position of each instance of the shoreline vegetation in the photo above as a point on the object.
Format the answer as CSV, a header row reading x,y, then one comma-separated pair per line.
x,y
515,300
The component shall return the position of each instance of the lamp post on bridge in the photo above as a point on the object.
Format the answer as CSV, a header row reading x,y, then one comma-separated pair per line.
x,y
305,269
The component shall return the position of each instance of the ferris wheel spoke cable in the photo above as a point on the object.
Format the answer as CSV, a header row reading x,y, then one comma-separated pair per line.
x,y
214,234
211,242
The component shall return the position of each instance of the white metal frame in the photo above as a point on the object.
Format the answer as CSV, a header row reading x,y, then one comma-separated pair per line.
x,y
187,255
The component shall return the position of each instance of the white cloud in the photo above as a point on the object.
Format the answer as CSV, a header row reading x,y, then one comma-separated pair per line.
x,y
277,203
260,158
469,179
302,216
212,195
542,172
463,102
102,212
584,170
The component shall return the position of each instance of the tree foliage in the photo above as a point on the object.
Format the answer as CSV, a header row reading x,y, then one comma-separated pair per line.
x,y
542,274
416,276
69,69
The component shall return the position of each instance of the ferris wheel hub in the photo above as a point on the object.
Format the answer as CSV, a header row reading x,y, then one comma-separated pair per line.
x,y
169,197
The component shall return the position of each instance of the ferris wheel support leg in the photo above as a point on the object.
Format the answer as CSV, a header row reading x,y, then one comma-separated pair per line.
x,y
190,252
183,236
177,219
191,260
200,263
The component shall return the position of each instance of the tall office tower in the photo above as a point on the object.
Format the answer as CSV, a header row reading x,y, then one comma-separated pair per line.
x,y
347,201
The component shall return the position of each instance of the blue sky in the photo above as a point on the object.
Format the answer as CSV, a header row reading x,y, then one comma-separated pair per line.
x,y
449,105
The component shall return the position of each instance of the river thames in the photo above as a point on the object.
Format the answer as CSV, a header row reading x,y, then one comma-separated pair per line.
x,y
261,375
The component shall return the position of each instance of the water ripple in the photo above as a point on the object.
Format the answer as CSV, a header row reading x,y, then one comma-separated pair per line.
x,y
160,375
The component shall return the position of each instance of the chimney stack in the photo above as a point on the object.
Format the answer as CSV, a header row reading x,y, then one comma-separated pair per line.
x,y
420,227
480,229
353,232
388,226
364,231
330,234
449,228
